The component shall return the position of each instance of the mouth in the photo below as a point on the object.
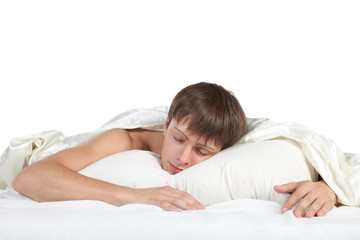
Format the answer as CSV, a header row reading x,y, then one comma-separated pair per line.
x,y
174,169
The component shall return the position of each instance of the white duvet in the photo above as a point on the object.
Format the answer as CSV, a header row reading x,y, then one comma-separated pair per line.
x,y
340,170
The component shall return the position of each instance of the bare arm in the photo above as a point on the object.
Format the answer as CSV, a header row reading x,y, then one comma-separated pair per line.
x,y
56,178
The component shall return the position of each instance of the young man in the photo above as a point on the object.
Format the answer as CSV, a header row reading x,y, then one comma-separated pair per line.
x,y
203,119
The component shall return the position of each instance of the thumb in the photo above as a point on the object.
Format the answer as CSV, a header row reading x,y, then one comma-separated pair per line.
x,y
286,188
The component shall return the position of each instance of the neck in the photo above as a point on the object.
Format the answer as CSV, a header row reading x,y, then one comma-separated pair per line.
x,y
155,141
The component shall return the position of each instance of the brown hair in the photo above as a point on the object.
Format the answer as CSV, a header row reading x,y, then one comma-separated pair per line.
x,y
211,112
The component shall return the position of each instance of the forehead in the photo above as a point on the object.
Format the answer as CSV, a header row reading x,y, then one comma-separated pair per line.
x,y
182,128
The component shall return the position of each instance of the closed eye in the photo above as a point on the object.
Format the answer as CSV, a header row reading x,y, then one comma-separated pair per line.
x,y
202,152
178,139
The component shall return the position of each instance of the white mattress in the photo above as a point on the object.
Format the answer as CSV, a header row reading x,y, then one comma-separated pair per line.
x,y
21,218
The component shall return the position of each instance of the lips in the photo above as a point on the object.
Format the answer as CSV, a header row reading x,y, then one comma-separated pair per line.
x,y
174,169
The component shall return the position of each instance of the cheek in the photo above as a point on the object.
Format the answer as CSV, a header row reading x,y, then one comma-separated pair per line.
x,y
170,150
166,150
199,159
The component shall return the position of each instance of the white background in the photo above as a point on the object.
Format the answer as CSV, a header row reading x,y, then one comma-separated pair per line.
x,y
73,65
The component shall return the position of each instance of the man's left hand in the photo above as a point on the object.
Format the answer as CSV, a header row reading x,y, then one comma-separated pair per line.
x,y
314,198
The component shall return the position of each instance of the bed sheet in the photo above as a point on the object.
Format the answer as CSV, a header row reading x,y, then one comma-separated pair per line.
x,y
341,171
22,218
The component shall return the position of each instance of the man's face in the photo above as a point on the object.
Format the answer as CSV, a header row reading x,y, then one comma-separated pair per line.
x,y
181,149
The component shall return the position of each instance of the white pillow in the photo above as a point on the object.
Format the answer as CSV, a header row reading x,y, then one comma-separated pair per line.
x,y
242,171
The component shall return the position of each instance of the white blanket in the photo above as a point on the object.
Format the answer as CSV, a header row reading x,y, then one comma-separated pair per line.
x,y
340,170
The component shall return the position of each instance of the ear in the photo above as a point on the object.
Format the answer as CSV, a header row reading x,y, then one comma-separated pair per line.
x,y
166,125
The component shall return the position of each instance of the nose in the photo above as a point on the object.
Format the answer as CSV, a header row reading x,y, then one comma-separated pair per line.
x,y
185,156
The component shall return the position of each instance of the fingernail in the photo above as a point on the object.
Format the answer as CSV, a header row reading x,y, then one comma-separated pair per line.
x,y
198,207
297,213
283,210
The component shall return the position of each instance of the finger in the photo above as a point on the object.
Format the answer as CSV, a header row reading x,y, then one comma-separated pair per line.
x,y
166,198
314,208
286,188
169,207
310,203
295,197
183,200
324,209
190,203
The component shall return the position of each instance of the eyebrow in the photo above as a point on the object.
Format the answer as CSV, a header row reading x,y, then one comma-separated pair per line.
x,y
196,144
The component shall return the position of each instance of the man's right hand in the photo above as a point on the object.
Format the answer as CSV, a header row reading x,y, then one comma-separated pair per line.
x,y
167,198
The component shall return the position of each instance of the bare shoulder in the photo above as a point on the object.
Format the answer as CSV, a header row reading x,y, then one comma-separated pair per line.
x,y
119,140
109,142
115,140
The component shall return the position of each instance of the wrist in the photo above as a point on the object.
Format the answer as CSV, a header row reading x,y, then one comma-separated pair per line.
x,y
119,196
331,192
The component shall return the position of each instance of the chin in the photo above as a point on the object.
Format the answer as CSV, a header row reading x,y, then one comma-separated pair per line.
x,y
165,166
168,169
